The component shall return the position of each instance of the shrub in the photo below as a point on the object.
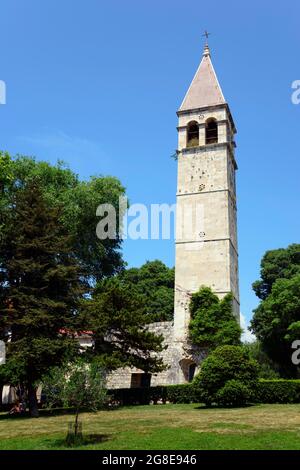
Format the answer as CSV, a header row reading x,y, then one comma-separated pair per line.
x,y
131,396
278,391
224,364
234,393
183,393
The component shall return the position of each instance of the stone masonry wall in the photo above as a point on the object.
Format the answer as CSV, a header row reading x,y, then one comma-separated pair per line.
x,y
178,356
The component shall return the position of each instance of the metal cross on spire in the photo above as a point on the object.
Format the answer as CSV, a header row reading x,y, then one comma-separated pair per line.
x,y
206,51
206,34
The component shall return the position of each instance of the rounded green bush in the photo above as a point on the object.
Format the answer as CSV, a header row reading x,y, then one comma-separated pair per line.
x,y
234,393
224,364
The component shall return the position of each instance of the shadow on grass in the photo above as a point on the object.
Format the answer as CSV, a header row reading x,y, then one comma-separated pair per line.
x,y
86,440
43,413
218,407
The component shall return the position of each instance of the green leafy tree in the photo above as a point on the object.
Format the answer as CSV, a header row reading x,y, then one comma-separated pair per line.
x,y
42,287
267,369
276,322
154,281
78,201
117,317
283,263
228,377
45,266
212,320
77,385
6,175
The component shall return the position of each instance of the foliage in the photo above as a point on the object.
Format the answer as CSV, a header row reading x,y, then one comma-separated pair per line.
x,y
278,391
224,364
155,282
78,201
78,385
276,322
212,322
6,175
183,393
265,391
267,369
234,393
47,268
283,263
42,291
136,396
121,337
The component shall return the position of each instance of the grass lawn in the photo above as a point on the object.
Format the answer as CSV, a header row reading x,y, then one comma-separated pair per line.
x,y
163,427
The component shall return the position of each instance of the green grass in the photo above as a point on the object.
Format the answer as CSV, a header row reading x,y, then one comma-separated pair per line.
x,y
162,427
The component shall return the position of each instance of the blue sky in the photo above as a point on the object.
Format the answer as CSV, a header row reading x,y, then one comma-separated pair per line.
x,y
97,84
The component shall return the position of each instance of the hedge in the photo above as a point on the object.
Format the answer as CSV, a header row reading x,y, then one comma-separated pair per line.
x,y
184,393
278,391
268,391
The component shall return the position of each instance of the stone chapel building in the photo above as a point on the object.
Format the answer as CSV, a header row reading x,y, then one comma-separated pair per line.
x,y
209,257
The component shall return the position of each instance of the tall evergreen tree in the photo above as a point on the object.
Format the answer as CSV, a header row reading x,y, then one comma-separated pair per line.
x,y
42,289
118,321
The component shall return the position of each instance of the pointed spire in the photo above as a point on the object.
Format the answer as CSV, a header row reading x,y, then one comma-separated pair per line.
x,y
206,51
205,89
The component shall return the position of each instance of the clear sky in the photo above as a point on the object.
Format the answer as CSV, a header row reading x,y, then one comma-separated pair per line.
x,y
97,84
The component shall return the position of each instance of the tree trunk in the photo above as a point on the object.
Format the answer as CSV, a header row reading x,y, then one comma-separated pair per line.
x,y
32,400
76,423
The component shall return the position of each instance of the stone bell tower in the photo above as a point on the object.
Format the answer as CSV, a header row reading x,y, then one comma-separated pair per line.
x,y
206,229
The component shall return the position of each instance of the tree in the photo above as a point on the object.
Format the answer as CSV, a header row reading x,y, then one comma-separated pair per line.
x,y
227,377
118,321
276,322
5,213
77,200
283,263
78,385
154,281
50,259
42,285
212,320
267,369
